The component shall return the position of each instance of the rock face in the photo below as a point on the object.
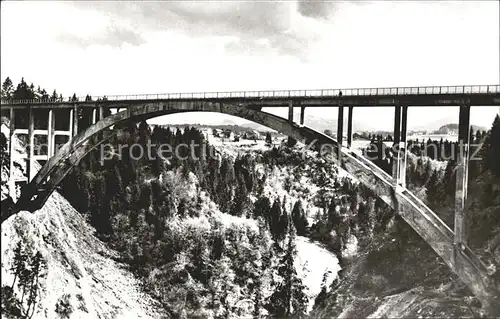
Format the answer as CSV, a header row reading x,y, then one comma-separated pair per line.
x,y
389,278
82,278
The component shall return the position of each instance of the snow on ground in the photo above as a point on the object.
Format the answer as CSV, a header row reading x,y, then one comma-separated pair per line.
x,y
435,164
312,263
351,247
229,147
273,187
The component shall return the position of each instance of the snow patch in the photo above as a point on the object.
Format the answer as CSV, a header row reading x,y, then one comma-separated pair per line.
x,y
351,247
311,263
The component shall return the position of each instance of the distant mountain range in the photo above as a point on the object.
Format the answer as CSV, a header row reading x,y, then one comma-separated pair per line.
x,y
312,121
452,128
444,125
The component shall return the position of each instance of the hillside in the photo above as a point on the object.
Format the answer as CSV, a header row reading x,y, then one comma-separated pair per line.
x,y
452,128
82,278
238,236
387,270
396,274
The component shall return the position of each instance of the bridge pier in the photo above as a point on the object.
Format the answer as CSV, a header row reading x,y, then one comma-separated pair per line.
x,y
291,104
302,111
74,115
395,145
94,116
12,127
340,131
460,237
31,142
51,134
400,155
349,127
403,144
71,118
101,112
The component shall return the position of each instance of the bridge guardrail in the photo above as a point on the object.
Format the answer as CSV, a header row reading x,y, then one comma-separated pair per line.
x,y
464,89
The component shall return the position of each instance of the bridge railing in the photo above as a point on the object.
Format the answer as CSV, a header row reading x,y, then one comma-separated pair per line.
x,y
464,89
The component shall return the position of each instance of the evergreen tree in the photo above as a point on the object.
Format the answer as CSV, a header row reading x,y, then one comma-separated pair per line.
x,y
257,300
22,91
478,137
54,96
289,298
262,208
19,262
274,219
7,89
28,269
299,219
225,185
241,201
144,133
435,192
492,148
269,139
320,300
37,265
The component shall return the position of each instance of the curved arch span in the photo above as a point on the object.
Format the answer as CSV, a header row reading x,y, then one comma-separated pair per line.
x,y
35,194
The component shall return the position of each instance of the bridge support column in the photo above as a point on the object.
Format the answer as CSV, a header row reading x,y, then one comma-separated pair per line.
x,y
12,127
94,116
50,134
101,112
101,116
349,127
290,118
74,129
461,182
404,160
340,131
302,112
71,118
31,142
395,145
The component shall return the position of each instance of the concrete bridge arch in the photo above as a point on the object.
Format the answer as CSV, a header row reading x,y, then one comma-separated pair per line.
x,y
59,165
422,219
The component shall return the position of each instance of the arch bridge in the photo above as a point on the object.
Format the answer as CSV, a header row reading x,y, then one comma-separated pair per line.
x,y
449,244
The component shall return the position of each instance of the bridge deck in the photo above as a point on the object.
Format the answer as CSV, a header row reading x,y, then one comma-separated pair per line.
x,y
484,95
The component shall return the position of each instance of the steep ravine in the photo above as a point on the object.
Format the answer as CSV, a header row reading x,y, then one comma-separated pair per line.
x,y
81,272
394,274
382,280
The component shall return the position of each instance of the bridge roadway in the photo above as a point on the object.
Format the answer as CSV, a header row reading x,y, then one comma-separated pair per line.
x,y
478,95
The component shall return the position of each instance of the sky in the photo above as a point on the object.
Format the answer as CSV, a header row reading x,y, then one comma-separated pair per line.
x,y
108,48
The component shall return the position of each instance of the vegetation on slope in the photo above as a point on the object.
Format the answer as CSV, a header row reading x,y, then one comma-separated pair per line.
x,y
206,260
397,274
